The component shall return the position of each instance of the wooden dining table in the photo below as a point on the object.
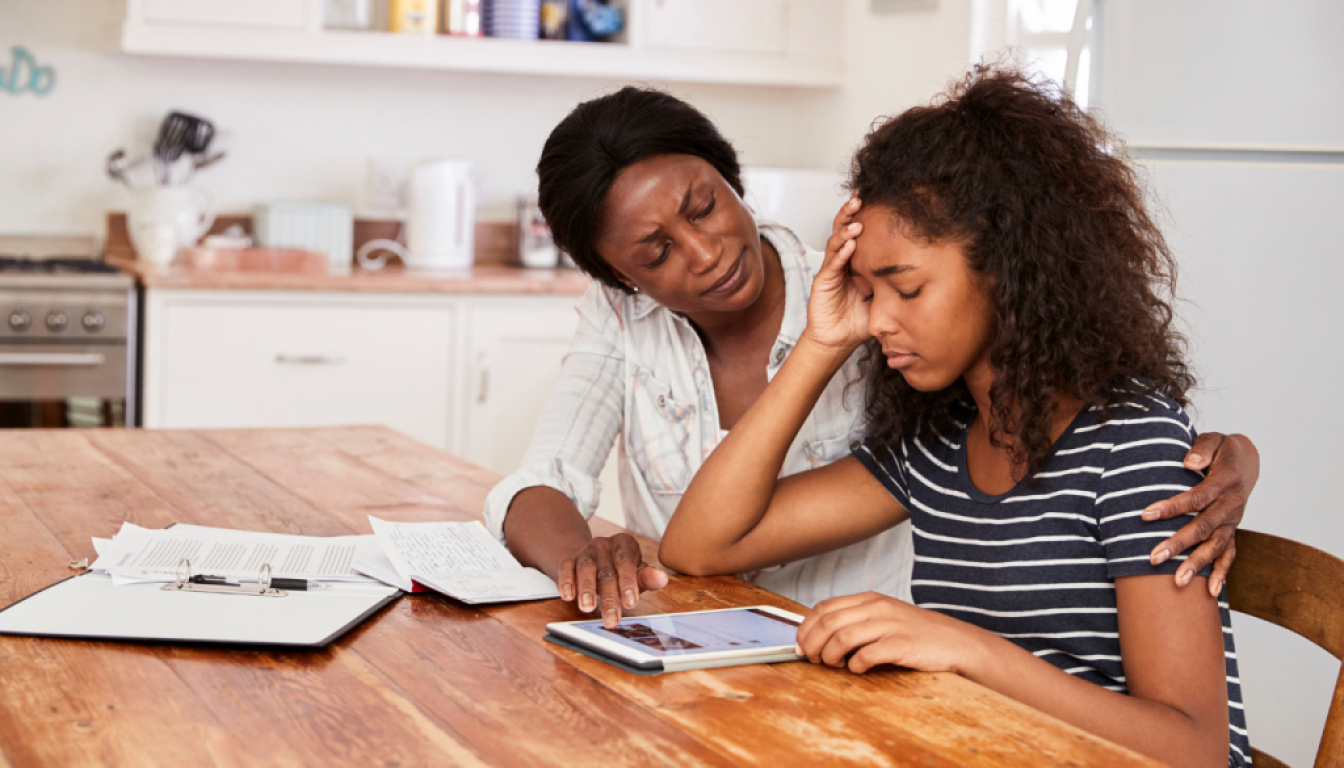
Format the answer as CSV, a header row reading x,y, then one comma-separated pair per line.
x,y
427,680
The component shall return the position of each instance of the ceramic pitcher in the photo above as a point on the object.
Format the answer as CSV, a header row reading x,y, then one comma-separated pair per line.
x,y
163,220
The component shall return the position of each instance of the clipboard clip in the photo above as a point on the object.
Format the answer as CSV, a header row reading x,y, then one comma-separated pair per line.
x,y
262,588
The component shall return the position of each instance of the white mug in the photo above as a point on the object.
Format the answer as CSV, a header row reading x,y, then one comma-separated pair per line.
x,y
163,220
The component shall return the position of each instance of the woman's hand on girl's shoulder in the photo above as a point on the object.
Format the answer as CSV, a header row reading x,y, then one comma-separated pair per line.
x,y
1218,503
863,631
837,311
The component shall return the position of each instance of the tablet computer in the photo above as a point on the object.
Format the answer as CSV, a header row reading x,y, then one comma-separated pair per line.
x,y
671,642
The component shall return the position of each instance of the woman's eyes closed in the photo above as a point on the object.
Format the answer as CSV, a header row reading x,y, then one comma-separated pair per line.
x,y
698,216
662,256
708,209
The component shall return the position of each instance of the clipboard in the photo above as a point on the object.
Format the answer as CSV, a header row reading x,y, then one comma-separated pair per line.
x,y
89,607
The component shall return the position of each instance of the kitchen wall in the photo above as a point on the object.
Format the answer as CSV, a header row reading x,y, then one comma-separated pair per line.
x,y
300,131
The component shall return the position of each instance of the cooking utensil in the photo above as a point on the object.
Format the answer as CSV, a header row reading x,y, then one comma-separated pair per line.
x,y
181,133
130,172
116,166
206,162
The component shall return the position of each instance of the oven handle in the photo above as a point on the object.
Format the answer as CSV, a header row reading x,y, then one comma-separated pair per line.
x,y
52,358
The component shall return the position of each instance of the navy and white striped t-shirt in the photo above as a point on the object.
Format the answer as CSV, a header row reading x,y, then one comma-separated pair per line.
x,y
1038,565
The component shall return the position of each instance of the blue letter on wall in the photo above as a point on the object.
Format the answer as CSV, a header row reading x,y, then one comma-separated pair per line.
x,y
25,75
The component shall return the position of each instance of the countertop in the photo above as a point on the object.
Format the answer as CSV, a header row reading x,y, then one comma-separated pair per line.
x,y
427,680
482,279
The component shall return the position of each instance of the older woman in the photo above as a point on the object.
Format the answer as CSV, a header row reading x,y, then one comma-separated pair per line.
x,y
696,305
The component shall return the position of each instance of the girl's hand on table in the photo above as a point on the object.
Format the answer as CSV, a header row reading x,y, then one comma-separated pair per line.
x,y
837,311
608,573
1219,502
863,631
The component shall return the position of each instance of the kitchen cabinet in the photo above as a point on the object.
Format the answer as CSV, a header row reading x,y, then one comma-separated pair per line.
x,y
241,359
513,351
792,43
468,373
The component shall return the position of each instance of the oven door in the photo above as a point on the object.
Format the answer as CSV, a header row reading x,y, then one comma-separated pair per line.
x,y
54,385
58,371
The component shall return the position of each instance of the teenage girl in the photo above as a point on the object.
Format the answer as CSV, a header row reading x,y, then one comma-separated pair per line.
x,y
1024,398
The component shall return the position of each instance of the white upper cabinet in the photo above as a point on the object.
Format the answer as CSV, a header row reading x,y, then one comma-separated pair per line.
x,y
758,26
793,43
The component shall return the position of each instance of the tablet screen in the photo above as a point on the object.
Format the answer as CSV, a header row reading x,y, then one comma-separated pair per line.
x,y
704,632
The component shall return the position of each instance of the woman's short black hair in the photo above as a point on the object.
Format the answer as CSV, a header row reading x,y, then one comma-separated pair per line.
x,y
602,137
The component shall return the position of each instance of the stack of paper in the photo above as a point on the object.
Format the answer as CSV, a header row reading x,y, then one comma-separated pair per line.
x,y
461,560
138,554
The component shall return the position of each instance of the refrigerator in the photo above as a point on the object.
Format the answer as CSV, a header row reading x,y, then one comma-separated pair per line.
x,y
1235,112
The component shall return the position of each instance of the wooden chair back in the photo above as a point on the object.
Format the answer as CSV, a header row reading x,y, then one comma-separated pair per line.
x,y
1301,589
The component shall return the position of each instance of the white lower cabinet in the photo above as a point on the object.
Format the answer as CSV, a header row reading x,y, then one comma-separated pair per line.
x,y
513,349
233,359
466,373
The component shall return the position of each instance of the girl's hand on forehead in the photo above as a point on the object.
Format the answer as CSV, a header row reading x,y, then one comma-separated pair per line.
x,y
837,312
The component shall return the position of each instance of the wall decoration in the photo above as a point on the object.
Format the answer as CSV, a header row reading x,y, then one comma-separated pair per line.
x,y
24,75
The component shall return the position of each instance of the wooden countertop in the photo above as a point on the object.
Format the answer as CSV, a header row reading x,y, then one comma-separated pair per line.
x,y
427,680
481,279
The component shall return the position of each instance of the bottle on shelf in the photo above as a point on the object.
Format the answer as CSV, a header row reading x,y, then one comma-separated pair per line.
x,y
414,17
462,18
554,19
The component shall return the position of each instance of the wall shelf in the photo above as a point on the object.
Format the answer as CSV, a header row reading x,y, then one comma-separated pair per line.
x,y
804,53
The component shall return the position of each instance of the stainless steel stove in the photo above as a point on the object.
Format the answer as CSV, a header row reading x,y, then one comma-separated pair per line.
x,y
67,335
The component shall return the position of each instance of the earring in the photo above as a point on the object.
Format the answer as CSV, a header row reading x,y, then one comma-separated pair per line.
x,y
635,288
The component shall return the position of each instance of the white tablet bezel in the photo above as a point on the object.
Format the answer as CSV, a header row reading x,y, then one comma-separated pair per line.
x,y
569,630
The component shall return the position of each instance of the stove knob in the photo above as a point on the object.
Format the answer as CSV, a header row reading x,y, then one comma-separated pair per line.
x,y
56,320
93,322
19,320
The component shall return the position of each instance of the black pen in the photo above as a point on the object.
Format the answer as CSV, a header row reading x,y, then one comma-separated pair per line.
x,y
293,585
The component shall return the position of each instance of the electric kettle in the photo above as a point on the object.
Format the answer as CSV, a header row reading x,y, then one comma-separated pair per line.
x,y
441,225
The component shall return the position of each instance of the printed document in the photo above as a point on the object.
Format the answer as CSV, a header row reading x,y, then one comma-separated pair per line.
x,y
461,560
138,554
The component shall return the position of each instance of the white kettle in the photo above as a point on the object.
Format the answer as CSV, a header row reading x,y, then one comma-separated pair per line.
x,y
441,225
440,231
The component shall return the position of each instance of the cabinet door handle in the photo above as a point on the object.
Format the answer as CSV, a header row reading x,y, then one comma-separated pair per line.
x,y
310,359
483,387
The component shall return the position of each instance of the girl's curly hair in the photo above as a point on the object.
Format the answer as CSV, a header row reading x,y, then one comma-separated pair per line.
x,y
1079,276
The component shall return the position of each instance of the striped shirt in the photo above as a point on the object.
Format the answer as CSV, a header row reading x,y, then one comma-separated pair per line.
x,y
637,375
1037,565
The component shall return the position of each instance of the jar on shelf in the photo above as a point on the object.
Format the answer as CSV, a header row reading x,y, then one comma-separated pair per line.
x,y
536,247
554,19
348,14
462,18
414,17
